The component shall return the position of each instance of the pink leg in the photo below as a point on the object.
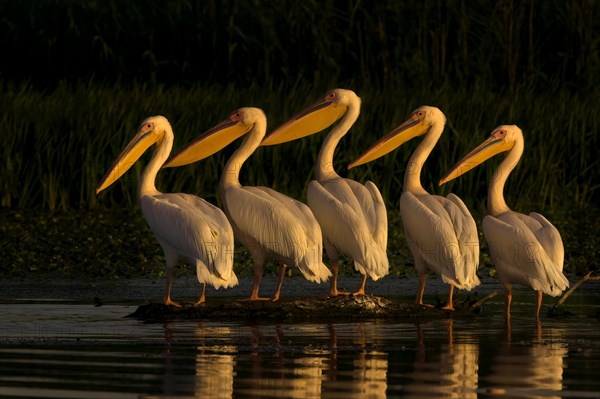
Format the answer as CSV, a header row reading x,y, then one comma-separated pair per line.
x,y
507,301
280,277
538,305
450,304
167,299
361,290
421,290
335,267
202,296
258,269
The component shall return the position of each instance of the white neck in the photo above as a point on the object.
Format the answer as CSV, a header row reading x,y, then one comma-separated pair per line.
x,y
412,175
325,170
495,202
231,173
161,153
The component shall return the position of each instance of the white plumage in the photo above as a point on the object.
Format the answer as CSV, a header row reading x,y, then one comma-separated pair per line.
x,y
269,224
186,227
352,216
440,232
526,249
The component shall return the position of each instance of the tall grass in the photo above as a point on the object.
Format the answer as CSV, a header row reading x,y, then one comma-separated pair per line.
x,y
57,144
505,43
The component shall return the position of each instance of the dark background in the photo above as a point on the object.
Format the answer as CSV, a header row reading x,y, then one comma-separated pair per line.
x,y
501,43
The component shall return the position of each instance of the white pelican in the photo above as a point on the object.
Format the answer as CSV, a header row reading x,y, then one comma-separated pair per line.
x,y
269,224
526,250
440,232
187,227
352,216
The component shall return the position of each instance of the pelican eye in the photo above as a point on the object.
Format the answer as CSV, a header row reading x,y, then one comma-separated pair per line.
x,y
236,116
499,134
330,96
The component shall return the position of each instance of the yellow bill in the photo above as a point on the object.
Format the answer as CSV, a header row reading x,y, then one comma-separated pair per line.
x,y
310,121
134,150
490,147
209,143
408,130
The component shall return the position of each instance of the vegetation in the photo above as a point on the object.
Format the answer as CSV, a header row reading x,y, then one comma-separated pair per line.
x,y
78,77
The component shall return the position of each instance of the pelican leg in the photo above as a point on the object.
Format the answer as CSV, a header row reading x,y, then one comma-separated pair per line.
x,y
335,267
361,290
507,301
167,299
538,305
258,269
280,276
202,296
171,262
421,290
450,304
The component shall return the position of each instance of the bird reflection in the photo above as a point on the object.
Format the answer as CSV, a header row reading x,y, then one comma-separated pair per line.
x,y
451,372
529,367
368,376
293,361
213,367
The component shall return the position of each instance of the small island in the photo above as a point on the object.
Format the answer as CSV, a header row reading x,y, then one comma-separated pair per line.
x,y
343,307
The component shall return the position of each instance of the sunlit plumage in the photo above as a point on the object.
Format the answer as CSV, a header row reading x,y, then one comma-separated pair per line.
x,y
187,227
526,249
441,233
269,224
352,216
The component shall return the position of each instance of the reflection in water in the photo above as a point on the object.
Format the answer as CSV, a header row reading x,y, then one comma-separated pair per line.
x,y
313,361
75,351
452,371
314,370
214,376
214,367
533,371
367,378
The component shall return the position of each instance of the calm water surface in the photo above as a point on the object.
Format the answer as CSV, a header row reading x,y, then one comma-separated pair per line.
x,y
65,349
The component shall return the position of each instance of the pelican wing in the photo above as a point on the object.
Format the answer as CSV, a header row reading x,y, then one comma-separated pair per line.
x,y
345,225
549,239
372,205
281,225
197,230
443,235
518,254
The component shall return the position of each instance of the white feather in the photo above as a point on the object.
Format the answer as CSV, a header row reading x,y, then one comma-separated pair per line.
x,y
197,230
442,232
353,221
527,250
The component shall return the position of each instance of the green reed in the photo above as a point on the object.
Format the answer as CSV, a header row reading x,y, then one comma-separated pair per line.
x,y
58,144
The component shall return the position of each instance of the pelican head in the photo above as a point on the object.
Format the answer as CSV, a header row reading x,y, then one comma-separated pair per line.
x,y
234,126
419,123
314,118
502,139
152,130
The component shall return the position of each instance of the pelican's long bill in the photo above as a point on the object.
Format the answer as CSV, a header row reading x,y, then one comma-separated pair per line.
x,y
494,145
311,120
210,142
410,129
145,137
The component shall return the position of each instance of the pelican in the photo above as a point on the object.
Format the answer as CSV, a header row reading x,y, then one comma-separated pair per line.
x,y
186,227
352,216
441,233
526,250
269,224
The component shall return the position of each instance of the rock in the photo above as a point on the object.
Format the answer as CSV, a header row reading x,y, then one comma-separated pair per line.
x,y
329,308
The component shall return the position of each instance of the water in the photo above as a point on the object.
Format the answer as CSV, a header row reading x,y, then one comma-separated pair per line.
x,y
53,348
